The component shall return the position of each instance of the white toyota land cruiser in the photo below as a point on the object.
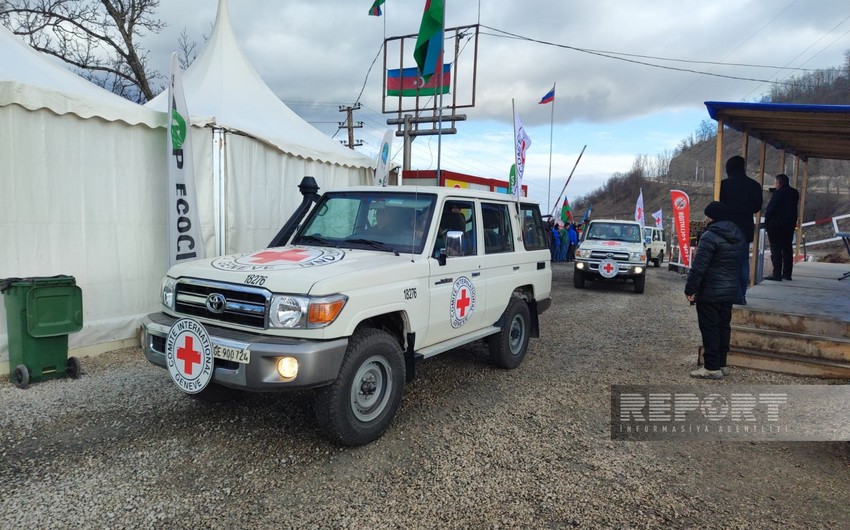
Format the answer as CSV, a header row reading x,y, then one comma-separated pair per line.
x,y
372,280
611,249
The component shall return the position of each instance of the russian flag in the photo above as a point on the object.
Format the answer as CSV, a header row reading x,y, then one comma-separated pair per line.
x,y
549,97
407,82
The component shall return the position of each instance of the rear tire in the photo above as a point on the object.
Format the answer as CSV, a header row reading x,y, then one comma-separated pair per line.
x,y
578,279
359,406
640,284
509,346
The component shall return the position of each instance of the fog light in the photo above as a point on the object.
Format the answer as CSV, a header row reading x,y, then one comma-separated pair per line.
x,y
579,265
287,367
638,270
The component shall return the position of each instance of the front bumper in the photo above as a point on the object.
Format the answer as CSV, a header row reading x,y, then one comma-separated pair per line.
x,y
318,361
626,269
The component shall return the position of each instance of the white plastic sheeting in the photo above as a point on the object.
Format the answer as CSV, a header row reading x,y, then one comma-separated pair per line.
x,y
84,197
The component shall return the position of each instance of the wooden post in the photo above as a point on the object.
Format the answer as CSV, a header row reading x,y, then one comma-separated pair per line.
x,y
718,159
802,209
757,228
796,171
781,161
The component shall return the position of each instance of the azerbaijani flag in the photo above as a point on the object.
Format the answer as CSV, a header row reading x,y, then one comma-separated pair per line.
x,y
428,51
375,10
549,97
586,214
566,211
407,82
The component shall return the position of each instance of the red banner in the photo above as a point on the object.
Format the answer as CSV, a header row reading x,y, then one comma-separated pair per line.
x,y
682,224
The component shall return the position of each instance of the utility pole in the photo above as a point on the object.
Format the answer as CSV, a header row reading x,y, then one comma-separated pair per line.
x,y
350,125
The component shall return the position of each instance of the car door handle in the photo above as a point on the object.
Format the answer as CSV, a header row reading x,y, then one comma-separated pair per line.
x,y
444,280
516,267
476,274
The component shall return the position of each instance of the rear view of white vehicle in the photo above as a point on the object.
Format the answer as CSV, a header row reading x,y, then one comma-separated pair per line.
x,y
346,300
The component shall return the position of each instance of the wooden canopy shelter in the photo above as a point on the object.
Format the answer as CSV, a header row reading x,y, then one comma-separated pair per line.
x,y
803,131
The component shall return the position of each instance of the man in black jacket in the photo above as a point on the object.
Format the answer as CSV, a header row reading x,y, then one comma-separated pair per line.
x,y
780,219
713,284
743,196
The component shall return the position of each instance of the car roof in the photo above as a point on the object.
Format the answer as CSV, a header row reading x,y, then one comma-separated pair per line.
x,y
616,221
440,191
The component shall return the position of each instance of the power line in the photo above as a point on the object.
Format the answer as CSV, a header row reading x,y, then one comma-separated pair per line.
x,y
623,57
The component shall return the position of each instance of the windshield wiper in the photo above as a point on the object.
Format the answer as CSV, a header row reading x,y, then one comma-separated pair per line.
x,y
315,238
374,244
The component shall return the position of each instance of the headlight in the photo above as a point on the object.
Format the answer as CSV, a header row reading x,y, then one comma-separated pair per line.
x,y
288,311
300,312
167,292
638,256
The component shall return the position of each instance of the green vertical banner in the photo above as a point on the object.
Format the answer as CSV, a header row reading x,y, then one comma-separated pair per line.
x,y
185,241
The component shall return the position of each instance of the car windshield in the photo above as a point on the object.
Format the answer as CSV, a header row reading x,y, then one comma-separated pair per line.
x,y
614,232
387,221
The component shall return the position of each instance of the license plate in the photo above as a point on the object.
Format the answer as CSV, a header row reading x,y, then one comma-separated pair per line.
x,y
232,354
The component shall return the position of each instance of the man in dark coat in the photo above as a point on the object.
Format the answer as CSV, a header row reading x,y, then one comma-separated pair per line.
x,y
780,219
743,197
713,284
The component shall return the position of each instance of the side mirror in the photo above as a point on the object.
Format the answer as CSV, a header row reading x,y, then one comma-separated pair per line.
x,y
441,258
454,243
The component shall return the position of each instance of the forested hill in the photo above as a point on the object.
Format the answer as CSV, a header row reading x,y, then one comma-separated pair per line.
x,y
690,166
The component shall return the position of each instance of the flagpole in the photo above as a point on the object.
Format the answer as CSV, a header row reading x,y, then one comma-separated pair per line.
x,y
552,211
440,61
551,129
518,184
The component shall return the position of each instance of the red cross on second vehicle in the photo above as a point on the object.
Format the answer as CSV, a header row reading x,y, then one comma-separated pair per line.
x,y
189,355
608,268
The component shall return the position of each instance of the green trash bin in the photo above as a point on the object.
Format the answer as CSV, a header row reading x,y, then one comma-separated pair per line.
x,y
40,313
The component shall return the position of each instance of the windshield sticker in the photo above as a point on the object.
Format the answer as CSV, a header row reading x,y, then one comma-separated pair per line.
x,y
462,302
273,259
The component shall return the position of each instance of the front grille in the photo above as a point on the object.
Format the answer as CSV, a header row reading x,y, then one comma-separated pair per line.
x,y
245,306
602,254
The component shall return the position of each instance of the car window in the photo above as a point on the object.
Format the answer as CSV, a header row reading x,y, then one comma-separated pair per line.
x,y
498,235
629,233
533,234
457,231
382,220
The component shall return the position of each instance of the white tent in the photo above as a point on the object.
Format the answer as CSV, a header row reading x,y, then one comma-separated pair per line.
x,y
82,174
259,144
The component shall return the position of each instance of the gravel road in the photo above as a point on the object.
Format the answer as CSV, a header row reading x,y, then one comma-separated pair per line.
x,y
472,446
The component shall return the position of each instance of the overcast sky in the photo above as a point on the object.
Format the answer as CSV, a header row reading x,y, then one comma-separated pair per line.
x,y
316,54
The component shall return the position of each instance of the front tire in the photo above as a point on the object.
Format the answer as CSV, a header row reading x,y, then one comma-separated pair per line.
x,y
578,279
509,346
640,284
359,406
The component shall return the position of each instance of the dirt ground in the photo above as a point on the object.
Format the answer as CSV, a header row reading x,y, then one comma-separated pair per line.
x,y
472,446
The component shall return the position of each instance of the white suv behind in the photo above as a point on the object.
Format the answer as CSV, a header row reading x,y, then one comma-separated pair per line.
x,y
350,295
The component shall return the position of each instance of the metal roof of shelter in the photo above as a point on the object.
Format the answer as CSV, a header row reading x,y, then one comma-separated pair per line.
x,y
807,131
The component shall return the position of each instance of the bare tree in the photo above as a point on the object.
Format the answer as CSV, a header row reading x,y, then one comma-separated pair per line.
x,y
186,53
97,37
